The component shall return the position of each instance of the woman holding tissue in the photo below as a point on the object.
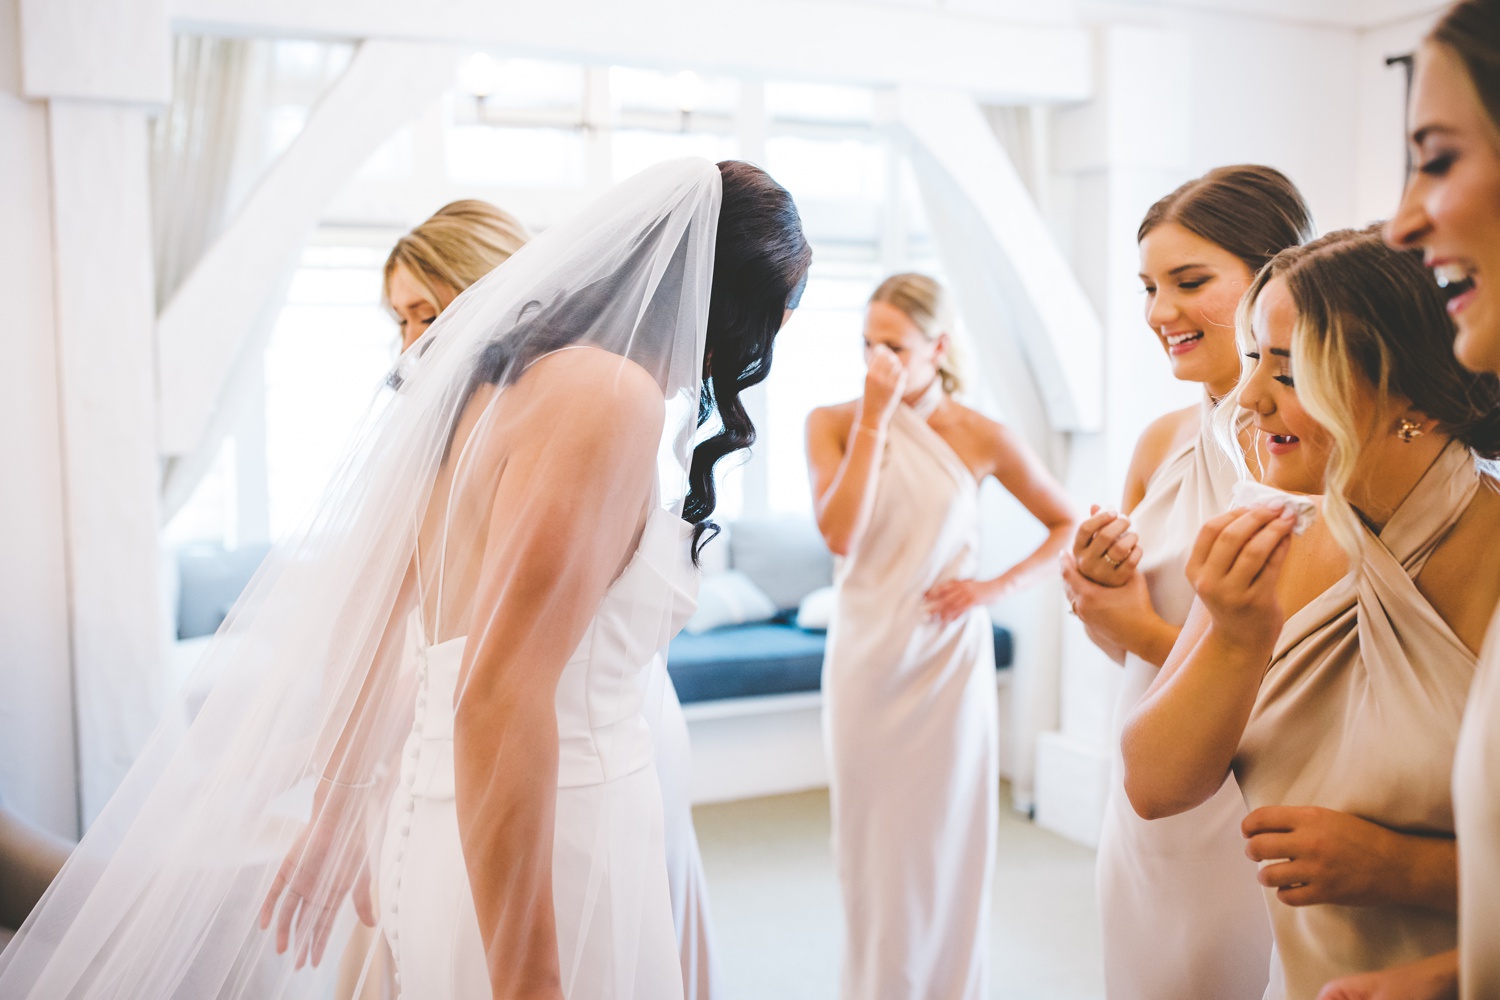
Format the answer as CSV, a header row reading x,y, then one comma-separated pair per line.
x,y
1180,887
909,676
1329,671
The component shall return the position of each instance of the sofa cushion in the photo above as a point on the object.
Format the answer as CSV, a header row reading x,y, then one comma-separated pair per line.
x,y
728,598
785,556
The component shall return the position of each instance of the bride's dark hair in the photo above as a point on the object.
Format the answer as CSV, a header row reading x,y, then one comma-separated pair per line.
x,y
760,266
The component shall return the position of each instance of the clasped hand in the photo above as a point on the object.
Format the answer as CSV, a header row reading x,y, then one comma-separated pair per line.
x,y
328,860
1321,855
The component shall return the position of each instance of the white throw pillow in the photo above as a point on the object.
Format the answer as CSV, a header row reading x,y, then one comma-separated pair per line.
x,y
816,610
729,598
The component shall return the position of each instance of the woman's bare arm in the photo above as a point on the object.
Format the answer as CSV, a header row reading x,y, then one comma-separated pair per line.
x,y
565,513
1181,739
844,463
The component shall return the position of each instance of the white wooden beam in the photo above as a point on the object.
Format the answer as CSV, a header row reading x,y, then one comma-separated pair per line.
x,y
202,330
1057,328
833,40
38,772
105,307
108,50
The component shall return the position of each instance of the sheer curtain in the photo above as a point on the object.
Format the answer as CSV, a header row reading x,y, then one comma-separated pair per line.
x,y
236,104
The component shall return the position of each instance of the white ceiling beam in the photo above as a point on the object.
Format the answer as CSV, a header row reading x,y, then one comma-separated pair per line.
x,y
1356,15
1056,326
97,50
830,40
201,331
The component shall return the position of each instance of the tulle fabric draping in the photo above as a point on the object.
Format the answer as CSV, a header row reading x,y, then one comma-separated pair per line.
x,y
311,676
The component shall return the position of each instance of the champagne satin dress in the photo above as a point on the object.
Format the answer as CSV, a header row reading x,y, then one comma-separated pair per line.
x,y
1476,808
911,724
1359,711
1183,914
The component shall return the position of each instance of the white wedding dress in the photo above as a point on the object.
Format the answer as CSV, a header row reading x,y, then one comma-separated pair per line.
x,y
615,934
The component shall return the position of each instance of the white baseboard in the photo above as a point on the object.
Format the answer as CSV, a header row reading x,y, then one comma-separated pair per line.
x,y
744,748
1072,781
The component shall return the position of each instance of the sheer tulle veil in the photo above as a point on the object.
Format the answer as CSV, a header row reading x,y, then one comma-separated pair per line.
x,y
310,678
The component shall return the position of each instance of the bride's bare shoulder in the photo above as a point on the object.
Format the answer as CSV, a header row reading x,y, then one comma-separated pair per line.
x,y
592,390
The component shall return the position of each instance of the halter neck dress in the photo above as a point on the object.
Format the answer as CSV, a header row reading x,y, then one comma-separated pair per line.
x,y
911,724
1359,711
1182,912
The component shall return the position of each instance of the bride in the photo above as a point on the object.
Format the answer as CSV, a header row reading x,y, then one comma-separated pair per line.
x,y
433,694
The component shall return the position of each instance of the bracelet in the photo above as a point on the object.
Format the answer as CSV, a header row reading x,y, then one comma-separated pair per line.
x,y
868,430
346,784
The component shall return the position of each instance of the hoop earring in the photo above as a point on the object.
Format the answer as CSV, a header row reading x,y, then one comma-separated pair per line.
x,y
1408,430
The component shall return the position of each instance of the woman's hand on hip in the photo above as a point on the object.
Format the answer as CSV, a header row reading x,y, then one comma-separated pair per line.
x,y
949,601
885,383
1234,568
1105,550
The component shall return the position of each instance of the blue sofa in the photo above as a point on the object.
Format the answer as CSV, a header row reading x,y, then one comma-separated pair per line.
x,y
786,558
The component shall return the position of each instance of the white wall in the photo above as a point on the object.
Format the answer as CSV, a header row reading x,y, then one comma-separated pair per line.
x,y
37,774
1379,152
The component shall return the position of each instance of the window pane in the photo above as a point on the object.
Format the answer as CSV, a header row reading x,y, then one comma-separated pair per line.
x,y
330,351
522,84
633,89
515,157
637,149
818,102
836,169
819,361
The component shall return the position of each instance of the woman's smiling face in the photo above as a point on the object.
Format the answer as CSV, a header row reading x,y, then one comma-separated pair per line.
x,y
1451,206
1192,289
1295,446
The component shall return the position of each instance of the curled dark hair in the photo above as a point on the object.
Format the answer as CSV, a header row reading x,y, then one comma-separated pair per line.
x,y
1253,212
1471,30
760,264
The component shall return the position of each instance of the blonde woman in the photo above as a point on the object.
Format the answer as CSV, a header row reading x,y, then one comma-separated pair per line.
x,y
429,266
1329,672
909,676
427,269
1451,210
1181,885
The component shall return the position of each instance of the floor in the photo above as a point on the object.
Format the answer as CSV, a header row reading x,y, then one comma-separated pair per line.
x,y
779,929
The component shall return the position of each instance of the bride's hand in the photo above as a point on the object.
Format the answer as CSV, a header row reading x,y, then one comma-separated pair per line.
x,y
328,860
1234,568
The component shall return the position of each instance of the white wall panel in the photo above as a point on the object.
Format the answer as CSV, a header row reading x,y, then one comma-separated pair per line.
x,y
37,769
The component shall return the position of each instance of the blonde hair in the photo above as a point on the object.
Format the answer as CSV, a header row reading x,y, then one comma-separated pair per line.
x,y
461,243
926,303
1370,317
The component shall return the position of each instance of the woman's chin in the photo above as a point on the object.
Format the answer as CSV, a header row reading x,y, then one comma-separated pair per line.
x,y
1288,476
1477,346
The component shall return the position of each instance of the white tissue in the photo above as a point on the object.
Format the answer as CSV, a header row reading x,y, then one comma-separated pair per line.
x,y
1249,493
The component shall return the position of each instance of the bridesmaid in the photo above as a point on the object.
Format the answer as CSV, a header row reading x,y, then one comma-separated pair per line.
x,y
1451,209
909,676
1180,887
427,269
1334,690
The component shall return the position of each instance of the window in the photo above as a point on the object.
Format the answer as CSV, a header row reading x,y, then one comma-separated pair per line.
x,y
540,138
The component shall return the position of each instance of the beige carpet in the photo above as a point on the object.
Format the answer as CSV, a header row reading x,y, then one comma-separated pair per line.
x,y
779,929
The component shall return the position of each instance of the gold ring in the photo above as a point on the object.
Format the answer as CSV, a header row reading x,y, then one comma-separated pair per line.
x,y
1112,563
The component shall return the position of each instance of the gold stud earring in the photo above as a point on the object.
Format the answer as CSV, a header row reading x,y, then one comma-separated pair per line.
x,y
1408,430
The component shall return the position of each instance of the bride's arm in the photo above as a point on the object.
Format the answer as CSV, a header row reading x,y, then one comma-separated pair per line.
x,y
577,475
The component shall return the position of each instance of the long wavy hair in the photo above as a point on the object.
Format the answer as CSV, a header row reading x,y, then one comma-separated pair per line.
x,y
1369,317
